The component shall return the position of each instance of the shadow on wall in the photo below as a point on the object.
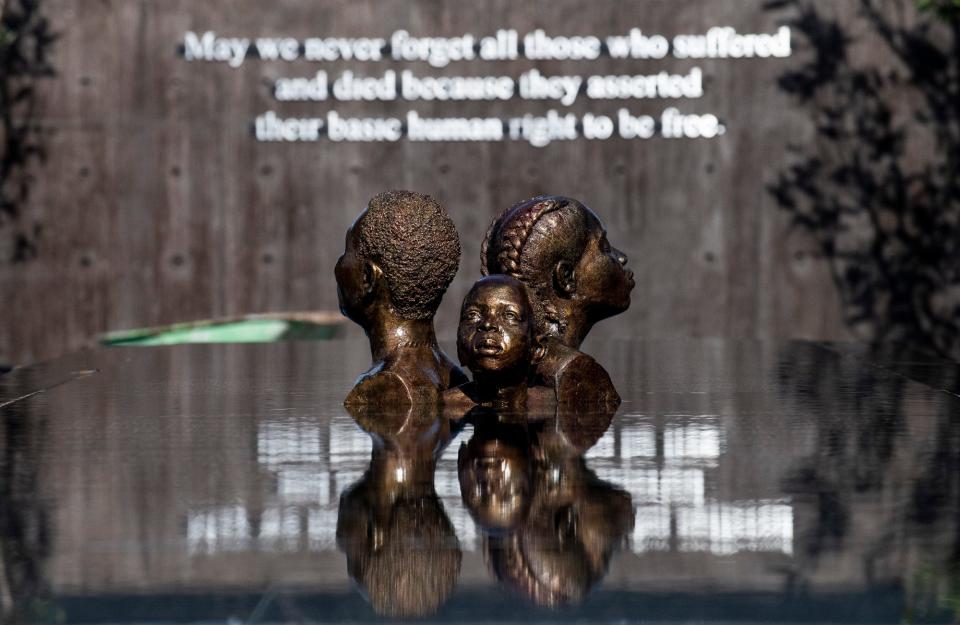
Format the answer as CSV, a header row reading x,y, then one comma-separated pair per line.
x,y
881,190
25,41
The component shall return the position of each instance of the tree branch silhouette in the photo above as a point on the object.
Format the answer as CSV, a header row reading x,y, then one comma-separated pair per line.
x,y
25,40
880,190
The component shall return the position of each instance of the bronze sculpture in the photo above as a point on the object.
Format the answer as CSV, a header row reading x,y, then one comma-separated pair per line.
x,y
559,249
496,342
400,256
521,329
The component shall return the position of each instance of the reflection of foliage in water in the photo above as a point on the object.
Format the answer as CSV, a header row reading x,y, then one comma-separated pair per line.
x,y
25,39
936,508
878,433
859,425
933,589
24,522
881,192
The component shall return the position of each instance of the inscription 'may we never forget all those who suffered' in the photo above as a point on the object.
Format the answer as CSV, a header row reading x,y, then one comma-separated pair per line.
x,y
561,90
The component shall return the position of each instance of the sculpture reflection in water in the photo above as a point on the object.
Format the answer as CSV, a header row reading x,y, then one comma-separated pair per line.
x,y
391,522
550,524
400,256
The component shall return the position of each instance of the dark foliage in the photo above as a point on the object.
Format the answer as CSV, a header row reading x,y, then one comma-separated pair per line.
x,y
25,41
881,189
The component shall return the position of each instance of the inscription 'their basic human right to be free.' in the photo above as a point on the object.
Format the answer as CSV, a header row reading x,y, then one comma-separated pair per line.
x,y
560,89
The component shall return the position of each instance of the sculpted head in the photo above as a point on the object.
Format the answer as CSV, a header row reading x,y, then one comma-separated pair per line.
x,y
391,520
494,469
401,253
496,331
559,249
383,547
564,544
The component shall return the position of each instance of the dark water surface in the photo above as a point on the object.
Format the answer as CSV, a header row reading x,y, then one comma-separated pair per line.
x,y
737,482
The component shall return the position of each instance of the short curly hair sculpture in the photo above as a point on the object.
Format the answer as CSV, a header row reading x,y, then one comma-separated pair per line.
x,y
413,240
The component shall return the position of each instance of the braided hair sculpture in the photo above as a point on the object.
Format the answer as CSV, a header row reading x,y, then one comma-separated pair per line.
x,y
527,241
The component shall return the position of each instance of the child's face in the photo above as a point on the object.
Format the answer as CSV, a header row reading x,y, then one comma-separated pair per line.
x,y
494,483
495,326
349,273
603,279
